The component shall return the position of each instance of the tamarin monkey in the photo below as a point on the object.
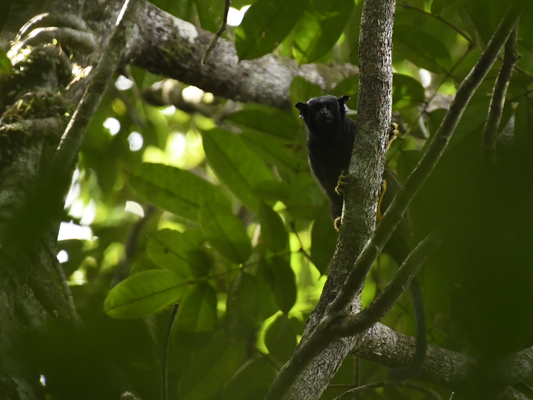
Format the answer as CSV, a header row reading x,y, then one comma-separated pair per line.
x,y
330,138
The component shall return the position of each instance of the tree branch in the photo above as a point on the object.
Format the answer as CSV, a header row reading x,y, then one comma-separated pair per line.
x,y
430,393
394,214
174,48
355,324
490,132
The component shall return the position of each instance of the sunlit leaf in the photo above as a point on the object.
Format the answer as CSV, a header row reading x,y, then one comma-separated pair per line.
x,y
173,189
266,120
273,230
265,25
251,381
323,239
225,232
421,48
320,28
198,312
282,281
406,92
209,372
144,293
242,306
235,164
280,338
174,251
5,63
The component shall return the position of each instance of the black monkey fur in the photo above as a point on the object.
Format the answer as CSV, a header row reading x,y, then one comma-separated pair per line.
x,y
330,138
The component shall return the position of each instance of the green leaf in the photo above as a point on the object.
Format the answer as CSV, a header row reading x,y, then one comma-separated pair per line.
x,y
172,250
5,63
320,28
273,230
242,306
210,14
406,92
198,312
178,191
278,152
280,338
350,87
208,374
144,293
323,239
266,120
438,5
272,190
265,25
225,232
302,90
421,48
235,164
282,281
251,381
523,120
306,197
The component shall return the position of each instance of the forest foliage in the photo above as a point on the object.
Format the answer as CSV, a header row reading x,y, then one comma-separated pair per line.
x,y
214,207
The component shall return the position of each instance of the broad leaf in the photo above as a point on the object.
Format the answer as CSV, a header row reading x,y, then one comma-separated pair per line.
x,y
144,293
174,251
225,232
323,239
178,191
242,306
273,231
209,372
265,25
198,312
280,338
251,381
406,92
421,48
235,164
320,28
266,120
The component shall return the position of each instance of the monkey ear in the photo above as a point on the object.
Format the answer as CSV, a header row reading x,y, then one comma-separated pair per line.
x,y
303,109
342,102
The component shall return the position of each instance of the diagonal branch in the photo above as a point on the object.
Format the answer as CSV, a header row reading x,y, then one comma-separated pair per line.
x,y
490,132
355,324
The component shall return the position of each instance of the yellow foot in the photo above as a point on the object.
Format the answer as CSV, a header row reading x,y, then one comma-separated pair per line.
x,y
393,133
383,190
343,181
337,223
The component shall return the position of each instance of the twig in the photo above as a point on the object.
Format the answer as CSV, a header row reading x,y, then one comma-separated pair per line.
x,y
358,323
429,392
123,268
219,33
438,17
71,141
497,102
166,351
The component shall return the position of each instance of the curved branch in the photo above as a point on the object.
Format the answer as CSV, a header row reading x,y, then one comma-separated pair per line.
x,y
174,48
355,324
429,392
